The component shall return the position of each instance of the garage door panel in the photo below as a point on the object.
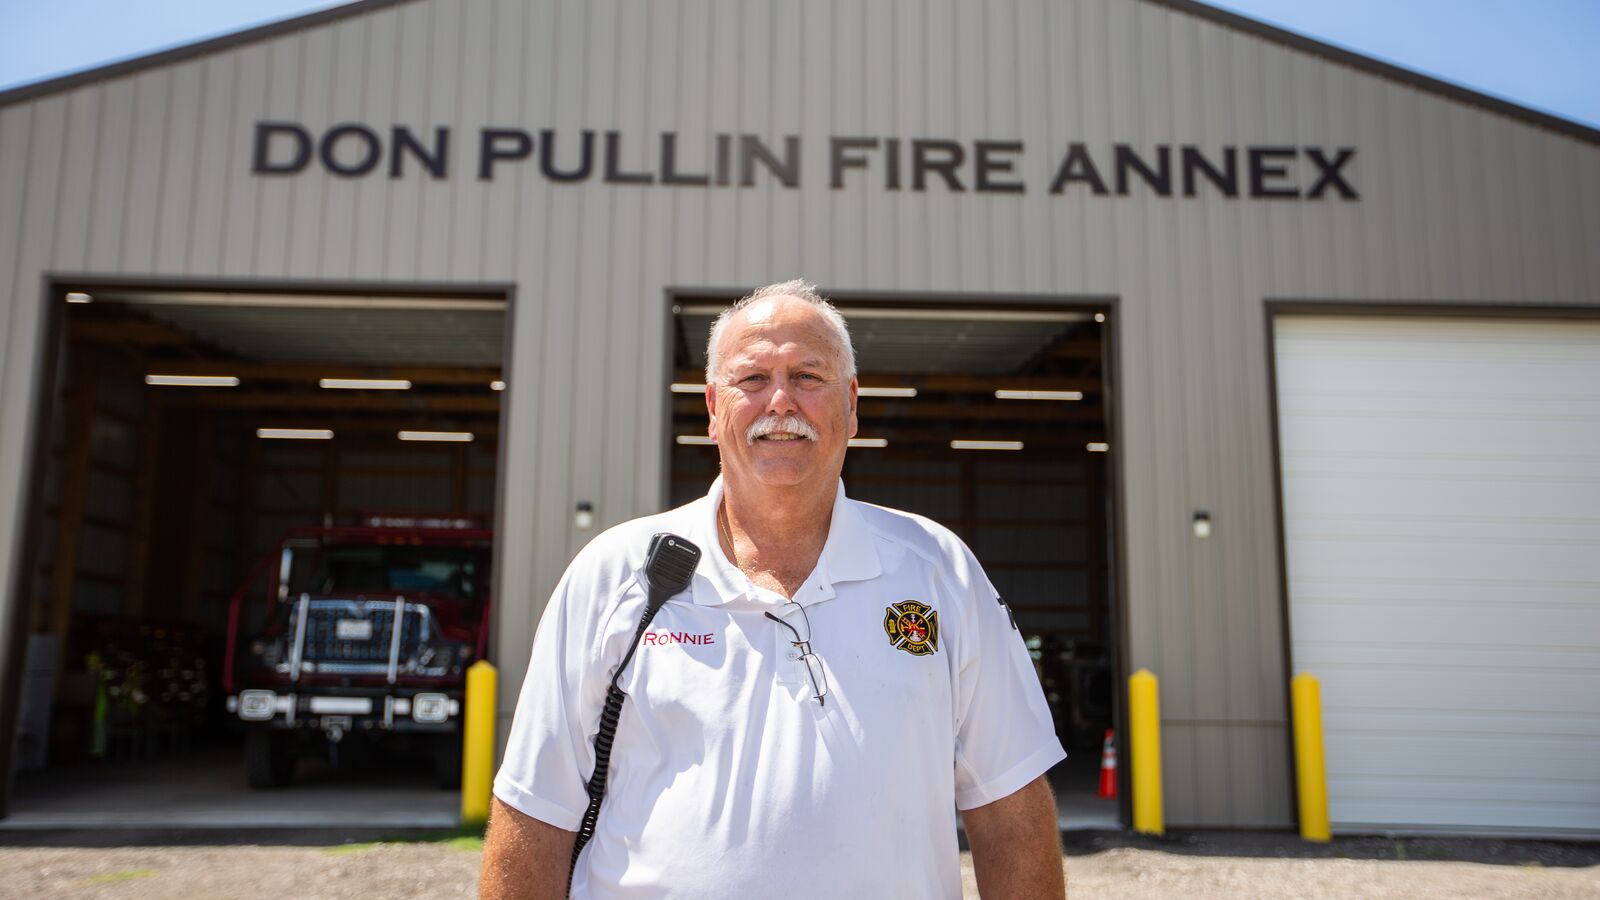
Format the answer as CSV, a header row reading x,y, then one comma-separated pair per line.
x,y
1441,494
1422,556
1446,463
1553,726
1426,339
1382,591
1371,634
1408,758
1559,531
1457,688
1416,430
1397,657
1347,495
1464,814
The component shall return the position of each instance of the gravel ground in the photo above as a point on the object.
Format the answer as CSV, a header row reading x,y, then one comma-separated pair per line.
x,y
1202,864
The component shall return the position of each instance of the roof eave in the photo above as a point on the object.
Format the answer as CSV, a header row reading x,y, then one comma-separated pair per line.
x,y
191,51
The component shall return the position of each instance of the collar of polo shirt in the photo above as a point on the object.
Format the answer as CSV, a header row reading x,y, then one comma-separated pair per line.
x,y
850,554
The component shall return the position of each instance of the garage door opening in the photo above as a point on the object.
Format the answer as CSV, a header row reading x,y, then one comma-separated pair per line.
x,y
990,420
264,558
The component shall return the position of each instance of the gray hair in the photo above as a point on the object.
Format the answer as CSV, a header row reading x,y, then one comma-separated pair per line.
x,y
800,289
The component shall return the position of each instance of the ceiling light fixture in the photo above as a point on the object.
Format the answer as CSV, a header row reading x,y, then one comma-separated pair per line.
x,y
985,445
684,387
460,436
365,384
869,442
497,385
192,380
1038,395
887,392
695,440
1098,447
295,434
79,297
1099,317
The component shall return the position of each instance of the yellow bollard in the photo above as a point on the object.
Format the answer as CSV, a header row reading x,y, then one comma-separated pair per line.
x,y
1311,774
1144,745
477,753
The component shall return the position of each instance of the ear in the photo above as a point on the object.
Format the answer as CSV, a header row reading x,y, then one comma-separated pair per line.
x,y
855,389
711,411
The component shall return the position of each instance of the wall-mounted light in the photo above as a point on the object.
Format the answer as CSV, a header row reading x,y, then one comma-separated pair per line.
x,y
295,434
79,297
686,387
1004,394
868,442
365,384
985,445
1097,447
1202,524
694,440
497,385
191,380
886,392
458,436
583,515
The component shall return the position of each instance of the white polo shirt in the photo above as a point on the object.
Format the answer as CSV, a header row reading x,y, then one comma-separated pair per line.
x,y
728,779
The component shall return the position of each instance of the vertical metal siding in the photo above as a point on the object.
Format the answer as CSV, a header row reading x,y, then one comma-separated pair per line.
x,y
148,174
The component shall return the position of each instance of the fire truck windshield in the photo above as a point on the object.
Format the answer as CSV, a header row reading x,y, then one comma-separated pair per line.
x,y
449,572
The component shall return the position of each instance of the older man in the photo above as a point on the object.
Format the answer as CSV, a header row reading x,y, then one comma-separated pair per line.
x,y
807,717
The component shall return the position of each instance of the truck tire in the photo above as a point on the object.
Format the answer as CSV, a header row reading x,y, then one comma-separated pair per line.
x,y
269,758
447,761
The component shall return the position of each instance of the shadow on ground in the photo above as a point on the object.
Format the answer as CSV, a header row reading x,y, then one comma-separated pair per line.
x,y
1285,845
216,837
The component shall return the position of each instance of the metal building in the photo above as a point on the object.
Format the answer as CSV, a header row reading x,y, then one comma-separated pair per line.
x,y
1346,361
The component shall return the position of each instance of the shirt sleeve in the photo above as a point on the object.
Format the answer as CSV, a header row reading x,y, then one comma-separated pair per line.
x,y
550,751
1005,737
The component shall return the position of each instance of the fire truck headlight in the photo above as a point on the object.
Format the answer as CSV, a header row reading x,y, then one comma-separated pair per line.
x,y
257,706
430,708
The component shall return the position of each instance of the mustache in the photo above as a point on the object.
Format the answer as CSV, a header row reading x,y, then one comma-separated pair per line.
x,y
771,424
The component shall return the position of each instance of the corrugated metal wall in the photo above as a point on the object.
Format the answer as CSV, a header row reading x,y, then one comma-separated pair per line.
x,y
148,174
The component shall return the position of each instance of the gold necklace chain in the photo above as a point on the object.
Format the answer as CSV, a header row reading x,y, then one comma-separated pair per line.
x,y
725,531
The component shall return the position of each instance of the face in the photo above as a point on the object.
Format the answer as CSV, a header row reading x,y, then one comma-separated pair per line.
x,y
782,381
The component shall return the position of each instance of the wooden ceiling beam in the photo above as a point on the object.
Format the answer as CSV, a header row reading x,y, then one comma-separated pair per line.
x,y
127,331
250,372
389,426
974,384
355,401
692,408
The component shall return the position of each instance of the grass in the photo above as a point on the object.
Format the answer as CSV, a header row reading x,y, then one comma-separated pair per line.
x,y
468,839
124,875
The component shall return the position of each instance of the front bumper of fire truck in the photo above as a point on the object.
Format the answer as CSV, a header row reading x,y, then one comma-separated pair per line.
x,y
373,709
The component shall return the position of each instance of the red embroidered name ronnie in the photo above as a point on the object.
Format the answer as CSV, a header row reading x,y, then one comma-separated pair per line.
x,y
663,638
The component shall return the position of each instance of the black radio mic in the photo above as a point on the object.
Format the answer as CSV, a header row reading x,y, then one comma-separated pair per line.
x,y
669,566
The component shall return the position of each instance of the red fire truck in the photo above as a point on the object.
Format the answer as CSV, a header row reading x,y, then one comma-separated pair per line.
x,y
363,631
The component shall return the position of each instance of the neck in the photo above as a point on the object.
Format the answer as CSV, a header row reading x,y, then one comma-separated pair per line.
x,y
776,536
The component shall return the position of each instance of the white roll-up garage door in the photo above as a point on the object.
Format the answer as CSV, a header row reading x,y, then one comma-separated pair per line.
x,y
1441,492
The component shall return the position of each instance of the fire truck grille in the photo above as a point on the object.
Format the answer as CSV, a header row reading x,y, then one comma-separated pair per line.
x,y
335,638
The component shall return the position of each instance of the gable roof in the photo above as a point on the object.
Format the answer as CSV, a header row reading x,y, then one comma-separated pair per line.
x,y
1188,7
192,51
1384,70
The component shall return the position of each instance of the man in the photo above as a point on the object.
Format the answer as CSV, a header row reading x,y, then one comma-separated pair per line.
x,y
808,716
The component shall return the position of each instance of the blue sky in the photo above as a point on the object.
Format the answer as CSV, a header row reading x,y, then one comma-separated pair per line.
x,y
1539,53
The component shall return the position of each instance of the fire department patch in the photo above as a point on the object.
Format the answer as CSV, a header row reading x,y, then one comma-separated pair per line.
x,y
912,626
